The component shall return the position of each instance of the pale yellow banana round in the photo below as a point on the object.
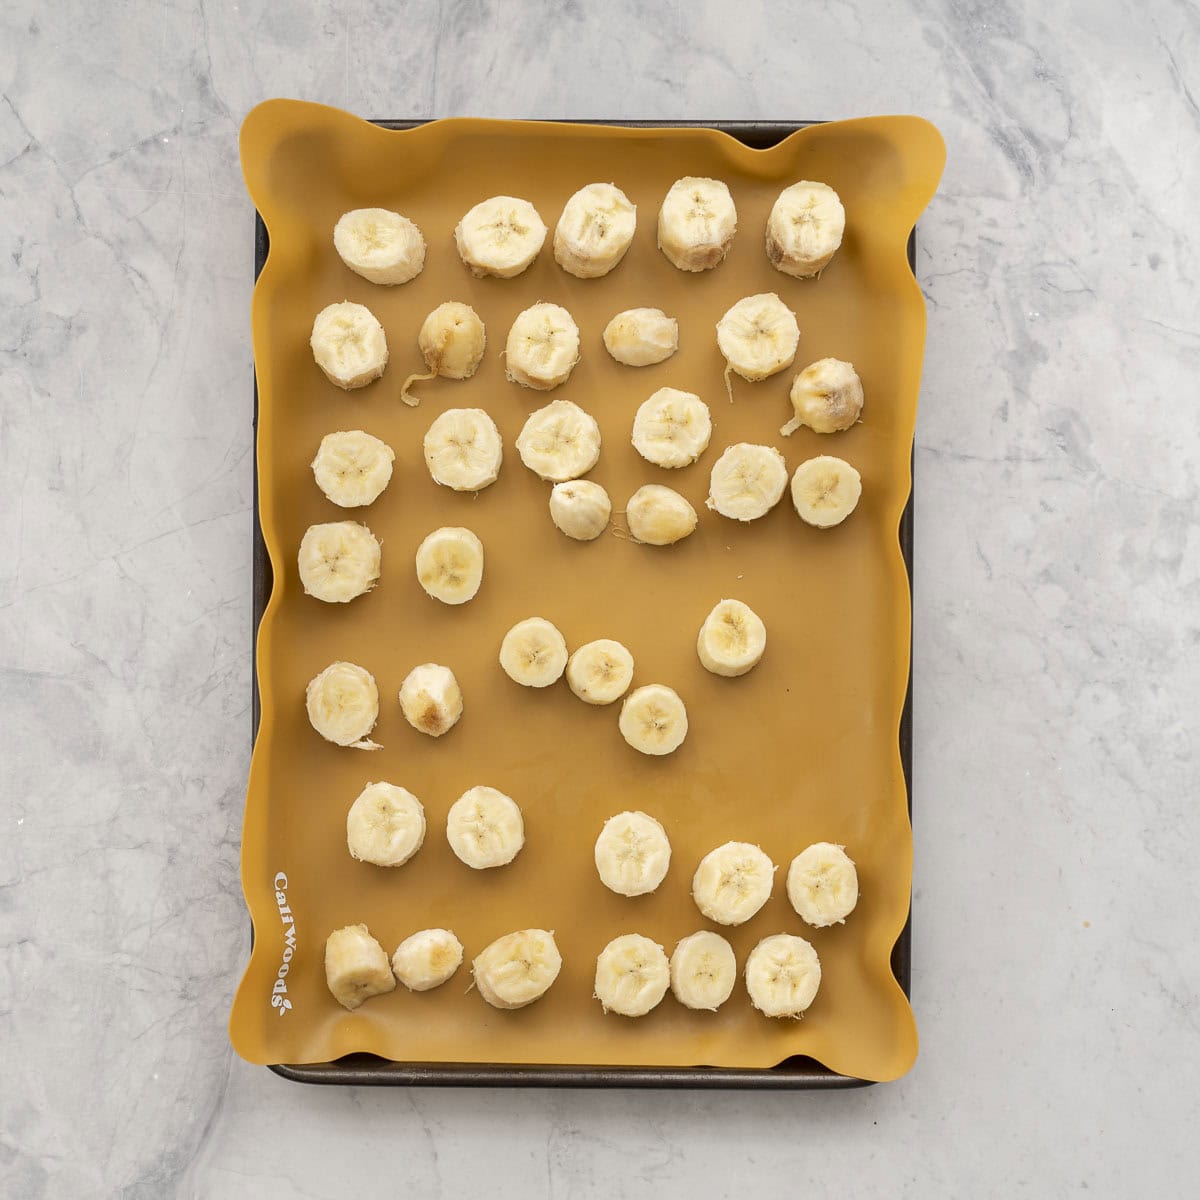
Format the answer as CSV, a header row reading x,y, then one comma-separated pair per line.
x,y
696,223
542,347
600,672
825,491
451,340
758,337
654,719
449,564
352,468
822,884
427,959
659,516
747,481
633,854
783,974
559,442
385,825
485,828
380,245
827,396
463,450
517,969
431,699
534,653
580,508
356,966
595,230
500,236
632,975
349,345
641,337
732,883
805,229
672,428
338,561
732,639
703,971
343,705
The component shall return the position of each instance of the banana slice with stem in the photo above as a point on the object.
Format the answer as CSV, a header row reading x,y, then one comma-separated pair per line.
x,y
654,719
672,428
696,223
595,230
827,396
349,345
450,564
427,959
758,337
343,705
641,337
352,468
580,508
659,516
500,236
484,828
542,347
431,699
825,490
463,450
559,442
633,854
703,971
732,883
747,481
783,974
338,561
380,245
452,340
632,975
533,653
822,884
385,825
517,969
600,672
356,966
805,229
732,639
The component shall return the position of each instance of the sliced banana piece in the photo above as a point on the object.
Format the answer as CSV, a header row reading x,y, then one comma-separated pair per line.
x,y
594,231
732,883
427,959
696,223
356,966
484,828
380,245
343,705
632,975
600,672
703,971
338,561
463,450
517,969
672,428
385,825
825,490
827,396
822,884
452,340
542,348
533,653
349,344
654,719
352,468
500,236
431,699
747,481
732,639
805,228
783,974
758,337
641,337
633,854
559,442
659,516
580,508
450,564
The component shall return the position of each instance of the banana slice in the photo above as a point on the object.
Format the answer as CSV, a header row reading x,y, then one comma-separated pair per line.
x,y
343,705
827,396
822,884
632,975
338,561
356,966
559,442
517,969
533,653
641,337
431,699
380,245
594,231
659,516
672,428
580,508
732,639
732,883
825,490
352,468
703,971
758,337
600,672
696,223
484,828
463,450
653,719
451,340
805,229
500,236
783,974
427,959
632,854
747,481
385,825
450,564
349,344
542,347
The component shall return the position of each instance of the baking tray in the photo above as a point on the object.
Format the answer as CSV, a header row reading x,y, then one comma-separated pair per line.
x,y
798,1072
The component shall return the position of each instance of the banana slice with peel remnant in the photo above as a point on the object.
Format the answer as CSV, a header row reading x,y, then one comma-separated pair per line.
x,y
452,340
338,561
758,337
356,966
825,490
654,719
659,516
703,971
533,653
732,883
805,229
380,245
633,854
559,442
517,969
822,884
349,345
427,959
385,825
672,428
783,974
580,508
352,468
747,481
732,639
450,564
431,699
600,672
827,396
542,347
594,231
463,450
641,337
500,236
696,223
484,828
343,705
632,975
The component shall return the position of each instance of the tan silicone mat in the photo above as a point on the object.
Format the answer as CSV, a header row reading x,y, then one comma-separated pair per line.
x,y
802,749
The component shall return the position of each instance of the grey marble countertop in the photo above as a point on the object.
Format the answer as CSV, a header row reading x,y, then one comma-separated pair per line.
x,y
1057,613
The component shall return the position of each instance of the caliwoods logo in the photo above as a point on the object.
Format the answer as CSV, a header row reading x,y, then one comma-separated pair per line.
x,y
279,997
